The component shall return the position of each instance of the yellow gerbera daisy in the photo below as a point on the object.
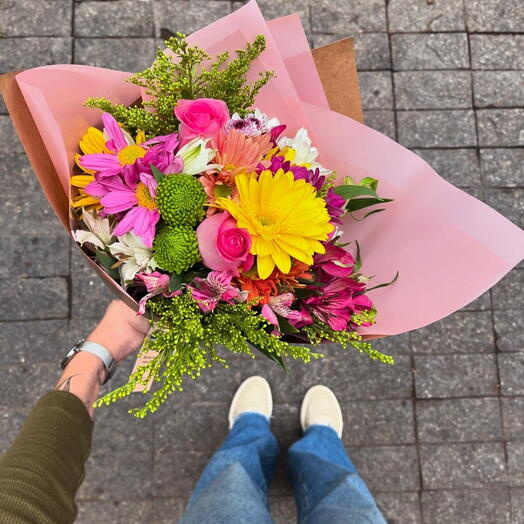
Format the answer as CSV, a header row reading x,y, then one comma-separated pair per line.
x,y
283,216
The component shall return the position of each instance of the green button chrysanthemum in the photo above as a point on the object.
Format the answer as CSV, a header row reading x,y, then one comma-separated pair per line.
x,y
175,249
180,199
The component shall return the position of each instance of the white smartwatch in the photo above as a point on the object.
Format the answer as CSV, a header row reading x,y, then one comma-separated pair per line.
x,y
96,349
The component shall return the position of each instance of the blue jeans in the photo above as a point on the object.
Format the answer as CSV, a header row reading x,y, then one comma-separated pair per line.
x,y
233,487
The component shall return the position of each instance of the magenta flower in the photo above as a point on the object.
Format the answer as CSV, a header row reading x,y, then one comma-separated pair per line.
x,y
156,284
208,292
335,205
335,262
334,304
137,201
128,158
280,306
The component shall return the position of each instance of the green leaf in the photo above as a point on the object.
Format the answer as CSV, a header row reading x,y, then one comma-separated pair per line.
x,y
275,358
157,174
348,192
358,260
370,182
175,282
107,262
361,203
367,214
385,284
286,327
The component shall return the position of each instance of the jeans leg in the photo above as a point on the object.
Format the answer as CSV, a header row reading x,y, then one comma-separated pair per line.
x,y
233,487
326,484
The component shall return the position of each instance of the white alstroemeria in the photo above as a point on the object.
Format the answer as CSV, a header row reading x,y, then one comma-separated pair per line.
x,y
269,123
99,234
305,153
196,156
133,256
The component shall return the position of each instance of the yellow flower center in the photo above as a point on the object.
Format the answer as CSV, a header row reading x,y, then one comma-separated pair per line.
x,y
144,198
129,154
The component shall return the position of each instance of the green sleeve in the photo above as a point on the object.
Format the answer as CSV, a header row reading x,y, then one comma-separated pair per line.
x,y
41,472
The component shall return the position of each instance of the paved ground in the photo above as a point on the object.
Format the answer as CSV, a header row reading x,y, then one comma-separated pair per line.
x,y
439,437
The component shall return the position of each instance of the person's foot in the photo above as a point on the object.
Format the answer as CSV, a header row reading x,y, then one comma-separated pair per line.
x,y
252,396
321,407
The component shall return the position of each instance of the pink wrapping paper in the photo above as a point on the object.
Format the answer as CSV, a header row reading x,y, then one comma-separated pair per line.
x,y
448,246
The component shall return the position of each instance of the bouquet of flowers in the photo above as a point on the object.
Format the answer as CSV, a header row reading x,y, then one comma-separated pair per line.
x,y
223,195
220,225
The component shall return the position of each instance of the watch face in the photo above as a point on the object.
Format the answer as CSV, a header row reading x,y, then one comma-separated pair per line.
x,y
71,353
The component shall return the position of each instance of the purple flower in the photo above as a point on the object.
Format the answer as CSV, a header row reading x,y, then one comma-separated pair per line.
x,y
335,262
280,306
156,283
336,206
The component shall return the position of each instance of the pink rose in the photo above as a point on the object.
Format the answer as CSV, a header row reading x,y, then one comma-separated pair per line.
x,y
203,117
224,246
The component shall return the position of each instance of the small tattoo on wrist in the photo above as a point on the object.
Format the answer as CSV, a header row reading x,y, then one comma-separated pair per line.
x,y
65,385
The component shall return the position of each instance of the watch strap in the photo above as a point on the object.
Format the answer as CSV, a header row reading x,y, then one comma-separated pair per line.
x,y
103,354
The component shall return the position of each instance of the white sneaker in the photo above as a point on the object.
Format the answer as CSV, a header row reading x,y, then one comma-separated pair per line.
x,y
253,395
320,407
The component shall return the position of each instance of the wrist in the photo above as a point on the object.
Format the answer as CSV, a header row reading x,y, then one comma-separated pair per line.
x,y
86,365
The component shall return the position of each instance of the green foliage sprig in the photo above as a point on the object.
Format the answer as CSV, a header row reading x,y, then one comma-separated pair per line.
x,y
184,73
186,339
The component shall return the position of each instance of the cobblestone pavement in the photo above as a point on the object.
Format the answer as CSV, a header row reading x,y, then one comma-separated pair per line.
x,y
440,436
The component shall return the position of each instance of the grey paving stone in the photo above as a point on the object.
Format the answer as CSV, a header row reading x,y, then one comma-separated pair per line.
x,y
25,182
430,51
376,89
433,90
372,50
402,507
378,423
444,376
497,51
484,301
127,475
462,332
511,369
498,88
125,54
30,18
507,294
382,121
448,466
10,144
34,257
387,468
517,505
123,18
11,420
512,411
500,127
509,202
319,39
409,16
436,129
165,511
348,16
509,330
283,509
458,420
24,384
460,167
474,506
494,15
502,167
180,430
24,53
34,298
115,511
33,341
187,17
175,473
515,452
117,430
